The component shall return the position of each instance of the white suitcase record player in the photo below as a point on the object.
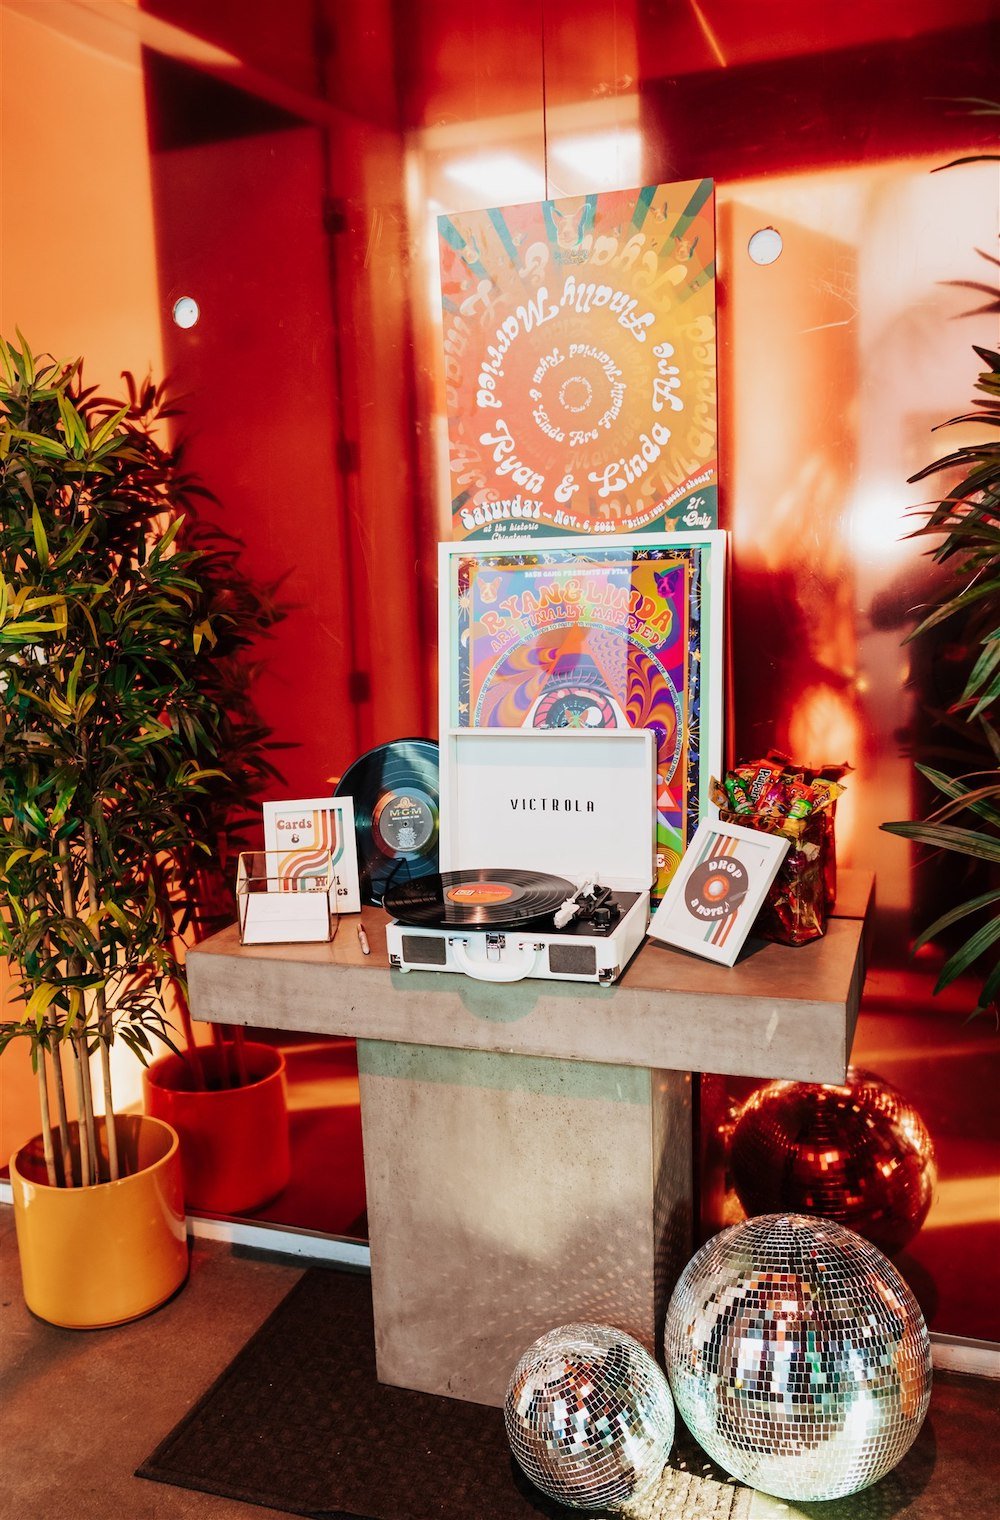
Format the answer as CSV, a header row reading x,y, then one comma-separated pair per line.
x,y
547,857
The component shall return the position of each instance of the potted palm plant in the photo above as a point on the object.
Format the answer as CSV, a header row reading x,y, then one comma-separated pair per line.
x,y
965,525
114,770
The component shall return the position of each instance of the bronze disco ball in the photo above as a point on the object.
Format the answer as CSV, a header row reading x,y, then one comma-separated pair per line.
x,y
859,1154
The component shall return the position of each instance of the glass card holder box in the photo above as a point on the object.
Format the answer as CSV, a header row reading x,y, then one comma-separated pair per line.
x,y
286,897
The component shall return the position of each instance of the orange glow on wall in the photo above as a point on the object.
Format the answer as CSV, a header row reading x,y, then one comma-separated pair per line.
x,y
79,272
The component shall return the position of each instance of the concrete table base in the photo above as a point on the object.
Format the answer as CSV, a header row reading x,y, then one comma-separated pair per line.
x,y
510,1194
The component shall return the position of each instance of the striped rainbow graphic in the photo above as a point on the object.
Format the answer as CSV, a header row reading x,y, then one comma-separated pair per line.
x,y
327,850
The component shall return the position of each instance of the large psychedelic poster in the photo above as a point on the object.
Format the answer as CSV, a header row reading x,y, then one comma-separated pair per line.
x,y
579,346
581,635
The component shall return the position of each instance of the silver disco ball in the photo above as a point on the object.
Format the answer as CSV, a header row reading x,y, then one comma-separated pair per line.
x,y
798,1357
589,1417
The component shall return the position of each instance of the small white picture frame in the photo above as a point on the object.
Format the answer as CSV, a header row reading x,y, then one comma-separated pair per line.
x,y
711,903
305,831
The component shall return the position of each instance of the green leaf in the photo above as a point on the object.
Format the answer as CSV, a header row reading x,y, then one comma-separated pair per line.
x,y
990,990
38,533
51,448
21,633
27,362
973,948
7,360
164,543
103,433
989,696
39,1003
946,837
952,917
973,800
953,605
74,677
76,432
73,548
992,737
33,603
65,797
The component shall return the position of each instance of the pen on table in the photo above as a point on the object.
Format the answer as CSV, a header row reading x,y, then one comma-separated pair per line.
x,y
366,948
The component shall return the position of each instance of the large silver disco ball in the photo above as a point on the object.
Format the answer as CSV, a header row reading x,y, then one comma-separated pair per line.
x,y
589,1417
798,1357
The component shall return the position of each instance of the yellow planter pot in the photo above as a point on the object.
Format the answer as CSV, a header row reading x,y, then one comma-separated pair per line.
x,y
102,1255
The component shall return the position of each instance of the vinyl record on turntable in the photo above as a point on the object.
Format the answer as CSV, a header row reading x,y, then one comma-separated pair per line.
x,y
485,899
396,798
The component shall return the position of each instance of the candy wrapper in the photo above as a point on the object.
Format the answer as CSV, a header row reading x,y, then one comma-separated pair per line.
x,y
798,802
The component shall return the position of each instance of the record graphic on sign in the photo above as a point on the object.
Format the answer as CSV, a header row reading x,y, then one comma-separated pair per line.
x,y
716,889
486,899
396,798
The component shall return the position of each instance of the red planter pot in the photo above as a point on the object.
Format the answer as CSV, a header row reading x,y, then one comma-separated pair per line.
x,y
234,1140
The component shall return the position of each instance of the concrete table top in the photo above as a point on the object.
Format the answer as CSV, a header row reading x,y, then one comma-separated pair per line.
x,y
780,1012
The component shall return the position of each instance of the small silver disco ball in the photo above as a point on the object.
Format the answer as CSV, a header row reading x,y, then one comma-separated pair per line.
x,y
589,1417
798,1357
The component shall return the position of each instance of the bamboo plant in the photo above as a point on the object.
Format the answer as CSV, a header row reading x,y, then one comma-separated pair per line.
x,y
966,523
128,738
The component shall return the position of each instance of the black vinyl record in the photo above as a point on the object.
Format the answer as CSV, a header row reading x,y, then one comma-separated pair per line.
x,y
396,796
489,899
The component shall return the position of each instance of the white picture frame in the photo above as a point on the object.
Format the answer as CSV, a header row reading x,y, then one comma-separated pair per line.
x,y
464,625
300,832
710,905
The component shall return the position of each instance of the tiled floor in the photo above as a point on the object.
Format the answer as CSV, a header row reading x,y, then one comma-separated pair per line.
x,y
80,1411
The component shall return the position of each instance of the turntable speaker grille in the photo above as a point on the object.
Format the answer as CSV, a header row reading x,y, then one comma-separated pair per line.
x,y
572,960
420,950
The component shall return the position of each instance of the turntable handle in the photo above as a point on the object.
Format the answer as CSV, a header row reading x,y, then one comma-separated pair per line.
x,y
511,969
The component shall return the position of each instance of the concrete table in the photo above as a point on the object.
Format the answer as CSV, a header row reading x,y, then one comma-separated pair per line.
x,y
528,1147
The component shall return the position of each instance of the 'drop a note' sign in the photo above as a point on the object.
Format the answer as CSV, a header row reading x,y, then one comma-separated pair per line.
x,y
579,340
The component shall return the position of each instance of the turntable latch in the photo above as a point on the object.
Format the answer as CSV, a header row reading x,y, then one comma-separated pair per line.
x,y
494,946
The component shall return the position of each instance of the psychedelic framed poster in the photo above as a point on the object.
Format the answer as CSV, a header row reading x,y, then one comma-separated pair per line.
x,y
588,635
579,346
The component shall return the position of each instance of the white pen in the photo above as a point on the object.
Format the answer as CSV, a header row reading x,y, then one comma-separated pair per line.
x,y
366,948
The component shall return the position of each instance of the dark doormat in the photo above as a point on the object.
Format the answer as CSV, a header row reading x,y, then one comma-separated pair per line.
x,y
299,1422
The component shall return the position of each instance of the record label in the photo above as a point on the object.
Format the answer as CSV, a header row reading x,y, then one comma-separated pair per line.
x,y
478,899
403,822
482,892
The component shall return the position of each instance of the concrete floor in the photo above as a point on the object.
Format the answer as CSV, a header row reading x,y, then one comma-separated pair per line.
x,y
81,1410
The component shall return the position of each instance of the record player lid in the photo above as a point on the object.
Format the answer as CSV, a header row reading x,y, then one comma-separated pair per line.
x,y
567,802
